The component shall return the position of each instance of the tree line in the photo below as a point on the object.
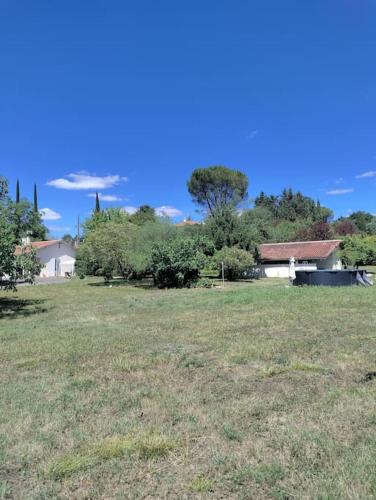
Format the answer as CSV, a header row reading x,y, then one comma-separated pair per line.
x,y
115,243
142,244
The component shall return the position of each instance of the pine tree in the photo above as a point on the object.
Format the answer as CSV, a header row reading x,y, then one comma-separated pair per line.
x,y
97,204
35,198
18,191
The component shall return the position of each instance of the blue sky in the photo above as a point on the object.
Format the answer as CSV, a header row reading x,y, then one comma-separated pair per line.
x,y
128,97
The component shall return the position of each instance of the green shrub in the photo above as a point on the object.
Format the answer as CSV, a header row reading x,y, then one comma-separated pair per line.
x,y
235,261
204,283
177,263
358,250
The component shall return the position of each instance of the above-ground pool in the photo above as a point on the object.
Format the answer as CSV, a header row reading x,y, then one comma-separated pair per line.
x,y
326,277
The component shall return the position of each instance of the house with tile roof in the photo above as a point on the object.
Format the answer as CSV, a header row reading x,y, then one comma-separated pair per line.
x,y
57,257
274,258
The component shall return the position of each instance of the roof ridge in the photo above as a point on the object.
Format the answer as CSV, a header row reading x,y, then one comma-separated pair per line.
x,y
300,242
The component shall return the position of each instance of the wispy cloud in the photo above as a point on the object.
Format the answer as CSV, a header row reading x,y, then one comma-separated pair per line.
x,y
339,180
340,191
106,197
163,211
253,134
49,214
365,175
168,211
130,210
85,180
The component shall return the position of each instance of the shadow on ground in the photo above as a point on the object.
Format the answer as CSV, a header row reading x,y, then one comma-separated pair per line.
x,y
145,284
11,307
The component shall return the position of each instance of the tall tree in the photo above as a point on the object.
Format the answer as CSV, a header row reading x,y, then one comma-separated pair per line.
x,y
361,219
293,206
35,198
18,191
217,187
97,204
144,214
13,265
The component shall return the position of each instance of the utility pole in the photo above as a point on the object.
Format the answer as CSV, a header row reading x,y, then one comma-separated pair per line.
x,y
78,232
223,275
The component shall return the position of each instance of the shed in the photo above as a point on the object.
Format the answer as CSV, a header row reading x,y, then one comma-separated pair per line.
x,y
274,258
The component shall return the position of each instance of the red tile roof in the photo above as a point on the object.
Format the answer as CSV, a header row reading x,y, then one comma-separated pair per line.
x,y
37,245
300,250
187,222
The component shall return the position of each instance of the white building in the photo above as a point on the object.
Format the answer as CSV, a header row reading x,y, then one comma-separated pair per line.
x,y
56,256
275,258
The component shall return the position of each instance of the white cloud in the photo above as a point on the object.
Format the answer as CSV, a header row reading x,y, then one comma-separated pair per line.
x,y
49,214
339,180
365,175
340,191
167,211
106,197
253,134
130,210
84,180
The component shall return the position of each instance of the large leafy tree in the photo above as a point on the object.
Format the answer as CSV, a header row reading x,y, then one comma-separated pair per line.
x,y
15,264
144,214
217,187
362,220
105,250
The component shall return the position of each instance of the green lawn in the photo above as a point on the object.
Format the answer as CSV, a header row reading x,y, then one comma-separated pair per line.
x,y
255,391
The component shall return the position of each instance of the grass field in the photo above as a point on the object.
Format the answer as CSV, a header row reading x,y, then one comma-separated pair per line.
x,y
255,391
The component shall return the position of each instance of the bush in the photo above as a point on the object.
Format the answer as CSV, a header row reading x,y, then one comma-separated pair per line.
x,y
204,283
177,263
236,262
358,250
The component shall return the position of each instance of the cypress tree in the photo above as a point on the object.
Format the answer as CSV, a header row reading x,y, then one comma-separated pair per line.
x,y
97,204
35,198
18,191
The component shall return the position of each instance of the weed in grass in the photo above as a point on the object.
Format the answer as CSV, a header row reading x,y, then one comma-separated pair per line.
x,y
300,366
147,446
265,474
239,359
268,474
201,485
4,490
231,434
81,384
296,366
191,362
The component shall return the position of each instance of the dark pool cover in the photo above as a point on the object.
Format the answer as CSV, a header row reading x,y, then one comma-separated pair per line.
x,y
346,277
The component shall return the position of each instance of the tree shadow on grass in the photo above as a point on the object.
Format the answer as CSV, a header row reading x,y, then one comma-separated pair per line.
x,y
145,284
13,308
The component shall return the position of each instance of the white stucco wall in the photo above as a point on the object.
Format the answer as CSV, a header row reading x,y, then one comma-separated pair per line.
x,y
57,259
332,262
282,270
